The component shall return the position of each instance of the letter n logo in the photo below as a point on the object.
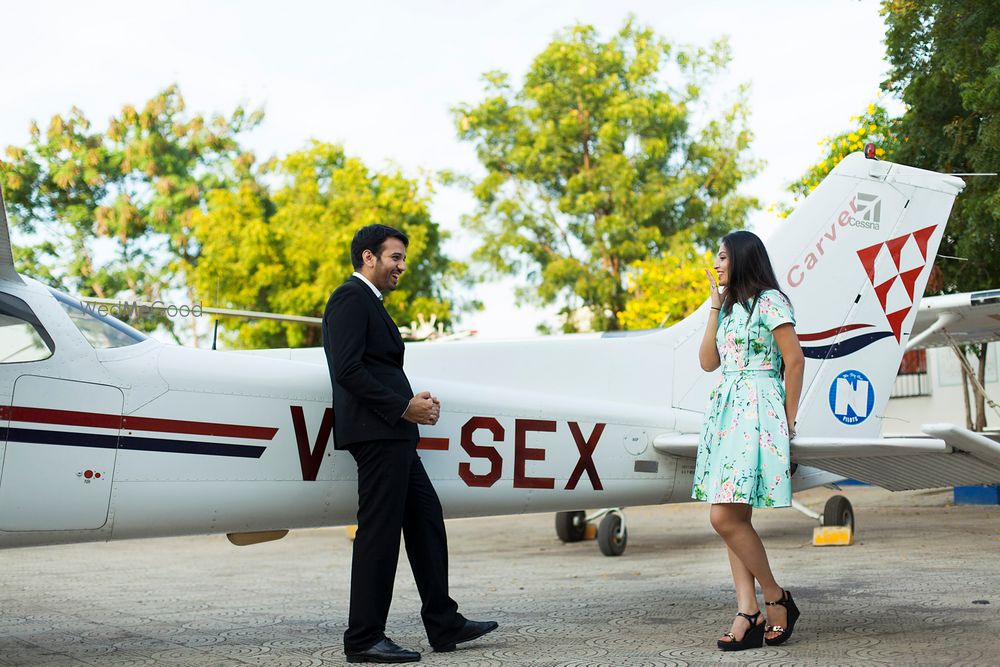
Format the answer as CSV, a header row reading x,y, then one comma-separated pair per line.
x,y
310,459
852,397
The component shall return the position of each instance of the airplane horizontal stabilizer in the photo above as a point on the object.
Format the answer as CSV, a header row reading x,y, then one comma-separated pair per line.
x,y
947,456
685,445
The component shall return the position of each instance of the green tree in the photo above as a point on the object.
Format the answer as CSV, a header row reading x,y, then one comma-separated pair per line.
x,y
286,248
665,290
111,211
596,163
874,126
945,65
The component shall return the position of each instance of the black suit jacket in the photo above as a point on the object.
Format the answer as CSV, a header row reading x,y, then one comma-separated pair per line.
x,y
365,354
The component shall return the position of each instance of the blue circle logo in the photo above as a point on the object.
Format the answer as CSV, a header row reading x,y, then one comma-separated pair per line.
x,y
852,397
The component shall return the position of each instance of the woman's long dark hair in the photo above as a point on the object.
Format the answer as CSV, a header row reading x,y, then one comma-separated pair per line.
x,y
750,271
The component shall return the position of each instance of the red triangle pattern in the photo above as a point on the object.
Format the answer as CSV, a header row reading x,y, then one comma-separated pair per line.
x,y
883,290
896,248
922,236
896,321
909,279
867,257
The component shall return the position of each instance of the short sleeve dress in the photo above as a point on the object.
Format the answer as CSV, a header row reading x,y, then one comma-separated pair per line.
x,y
743,449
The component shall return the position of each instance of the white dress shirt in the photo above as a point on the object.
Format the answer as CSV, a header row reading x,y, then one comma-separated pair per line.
x,y
369,283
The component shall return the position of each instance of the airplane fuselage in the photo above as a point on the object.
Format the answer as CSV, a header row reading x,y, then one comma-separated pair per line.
x,y
148,440
106,434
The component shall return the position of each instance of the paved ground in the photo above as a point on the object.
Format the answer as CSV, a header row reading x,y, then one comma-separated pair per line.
x,y
922,586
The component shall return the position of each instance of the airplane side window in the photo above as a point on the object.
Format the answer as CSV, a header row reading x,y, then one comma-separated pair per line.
x,y
22,336
101,331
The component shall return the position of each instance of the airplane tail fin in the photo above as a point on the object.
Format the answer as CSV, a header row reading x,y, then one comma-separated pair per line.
x,y
854,259
7,271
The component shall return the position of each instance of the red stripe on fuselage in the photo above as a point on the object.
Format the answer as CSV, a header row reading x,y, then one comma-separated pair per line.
x,y
439,444
64,417
95,420
198,428
830,332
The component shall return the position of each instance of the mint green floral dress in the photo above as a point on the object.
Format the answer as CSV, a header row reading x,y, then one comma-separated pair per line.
x,y
743,450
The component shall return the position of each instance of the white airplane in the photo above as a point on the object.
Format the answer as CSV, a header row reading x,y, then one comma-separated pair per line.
x,y
106,434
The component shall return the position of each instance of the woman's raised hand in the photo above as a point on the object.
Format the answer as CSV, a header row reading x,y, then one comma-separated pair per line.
x,y
713,289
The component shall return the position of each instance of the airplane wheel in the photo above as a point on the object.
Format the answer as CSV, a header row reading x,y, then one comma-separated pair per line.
x,y
611,535
838,512
571,526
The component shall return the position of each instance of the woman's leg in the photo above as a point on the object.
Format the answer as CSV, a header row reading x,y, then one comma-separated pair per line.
x,y
732,522
746,595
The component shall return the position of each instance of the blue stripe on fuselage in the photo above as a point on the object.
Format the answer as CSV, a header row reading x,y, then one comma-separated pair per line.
x,y
77,439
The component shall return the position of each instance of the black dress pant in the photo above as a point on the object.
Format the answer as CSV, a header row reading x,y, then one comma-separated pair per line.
x,y
394,495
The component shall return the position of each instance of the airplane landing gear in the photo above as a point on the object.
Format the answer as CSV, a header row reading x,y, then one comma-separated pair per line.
x,y
838,512
836,523
571,526
612,534
612,531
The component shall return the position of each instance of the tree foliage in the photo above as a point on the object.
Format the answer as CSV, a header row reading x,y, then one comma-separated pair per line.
x,y
945,67
286,248
945,59
111,211
165,200
874,126
595,163
665,290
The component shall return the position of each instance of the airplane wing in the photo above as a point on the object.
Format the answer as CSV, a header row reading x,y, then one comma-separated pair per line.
x,y
972,317
946,456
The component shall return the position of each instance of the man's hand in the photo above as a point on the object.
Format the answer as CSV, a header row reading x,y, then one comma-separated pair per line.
x,y
423,409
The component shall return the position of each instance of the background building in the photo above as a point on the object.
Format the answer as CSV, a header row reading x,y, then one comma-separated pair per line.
x,y
929,389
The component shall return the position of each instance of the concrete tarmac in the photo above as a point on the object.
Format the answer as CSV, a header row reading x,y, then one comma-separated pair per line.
x,y
920,586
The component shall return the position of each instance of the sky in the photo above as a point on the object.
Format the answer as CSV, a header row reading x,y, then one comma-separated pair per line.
x,y
380,78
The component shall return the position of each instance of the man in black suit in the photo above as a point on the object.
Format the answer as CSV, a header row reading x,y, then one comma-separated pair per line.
x,y
375,418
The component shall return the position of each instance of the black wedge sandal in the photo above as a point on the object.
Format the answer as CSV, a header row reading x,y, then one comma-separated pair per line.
x,y
752,638
788,603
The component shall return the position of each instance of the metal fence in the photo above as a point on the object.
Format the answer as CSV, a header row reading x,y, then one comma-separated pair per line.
x,y
912,379
911,384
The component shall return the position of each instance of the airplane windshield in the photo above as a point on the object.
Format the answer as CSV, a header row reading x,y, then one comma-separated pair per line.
x,y
101,330
22,336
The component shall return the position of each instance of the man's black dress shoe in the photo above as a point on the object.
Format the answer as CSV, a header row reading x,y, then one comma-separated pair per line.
x,y
471,630
385,650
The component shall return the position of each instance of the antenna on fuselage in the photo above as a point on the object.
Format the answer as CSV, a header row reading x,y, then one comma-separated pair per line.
x,y
7,271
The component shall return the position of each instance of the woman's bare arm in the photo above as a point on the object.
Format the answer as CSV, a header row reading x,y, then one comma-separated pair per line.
x,y
708,353
791,354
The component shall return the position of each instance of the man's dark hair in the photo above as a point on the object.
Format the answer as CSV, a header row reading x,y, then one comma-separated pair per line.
x,y
371,237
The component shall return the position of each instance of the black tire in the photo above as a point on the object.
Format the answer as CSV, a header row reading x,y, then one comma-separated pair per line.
x,y
608,538
838,512
571,526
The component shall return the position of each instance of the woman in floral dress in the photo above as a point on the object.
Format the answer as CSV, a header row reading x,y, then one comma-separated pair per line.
x,y
743,454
